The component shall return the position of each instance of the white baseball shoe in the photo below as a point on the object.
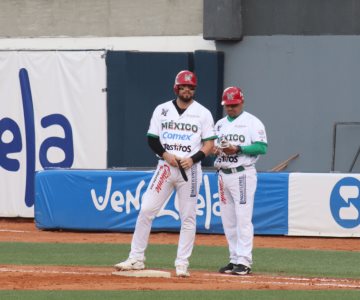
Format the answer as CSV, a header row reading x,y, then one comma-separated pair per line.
x,y
130,264
182,271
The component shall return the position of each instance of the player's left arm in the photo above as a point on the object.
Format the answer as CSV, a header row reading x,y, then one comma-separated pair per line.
x,y
258,144
207,146
208,136
257,148
259,140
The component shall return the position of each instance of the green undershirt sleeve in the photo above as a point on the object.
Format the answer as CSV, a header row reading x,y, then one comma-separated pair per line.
x,y
254,149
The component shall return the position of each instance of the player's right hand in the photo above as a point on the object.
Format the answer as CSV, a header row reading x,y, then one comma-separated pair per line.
x,y
170,159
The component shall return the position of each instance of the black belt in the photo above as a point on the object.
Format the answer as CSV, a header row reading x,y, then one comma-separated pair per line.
x,y
232,170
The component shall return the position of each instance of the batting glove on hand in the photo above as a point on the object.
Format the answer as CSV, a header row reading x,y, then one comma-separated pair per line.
x,y
231,150
224,143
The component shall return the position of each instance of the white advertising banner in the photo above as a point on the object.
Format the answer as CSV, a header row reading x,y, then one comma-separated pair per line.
x,y
52,114
324,204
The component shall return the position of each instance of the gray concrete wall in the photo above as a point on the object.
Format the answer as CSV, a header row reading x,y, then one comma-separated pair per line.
x,y
299,86
111,18
301,17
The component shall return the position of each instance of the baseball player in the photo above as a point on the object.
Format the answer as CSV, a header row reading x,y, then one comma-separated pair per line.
x,y
241,139
181,133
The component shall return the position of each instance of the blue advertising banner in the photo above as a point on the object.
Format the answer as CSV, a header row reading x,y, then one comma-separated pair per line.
x,y
109,200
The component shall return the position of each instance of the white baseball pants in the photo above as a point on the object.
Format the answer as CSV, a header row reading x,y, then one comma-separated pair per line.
x,y
165,179
236,194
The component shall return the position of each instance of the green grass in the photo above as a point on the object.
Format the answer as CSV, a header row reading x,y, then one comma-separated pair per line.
x,y
179,295
342,264
314,263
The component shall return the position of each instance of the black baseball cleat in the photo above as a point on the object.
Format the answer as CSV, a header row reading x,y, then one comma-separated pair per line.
x,y
241,270
227,269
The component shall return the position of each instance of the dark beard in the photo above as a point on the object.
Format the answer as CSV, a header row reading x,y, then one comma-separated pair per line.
x,y
185,99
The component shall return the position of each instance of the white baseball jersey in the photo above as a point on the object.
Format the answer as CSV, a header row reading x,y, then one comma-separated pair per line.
x,y
243,131
182,135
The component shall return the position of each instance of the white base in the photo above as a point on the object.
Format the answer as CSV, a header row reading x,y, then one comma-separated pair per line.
x,y
143,273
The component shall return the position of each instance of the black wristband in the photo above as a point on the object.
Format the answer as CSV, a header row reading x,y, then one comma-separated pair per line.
x,y
198,156
239,149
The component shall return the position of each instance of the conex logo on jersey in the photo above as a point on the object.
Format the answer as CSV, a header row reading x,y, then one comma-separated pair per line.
x,y
345,202
176,136
11,141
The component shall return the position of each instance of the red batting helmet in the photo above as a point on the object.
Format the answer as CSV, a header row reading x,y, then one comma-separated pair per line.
x,y
232,95
184,77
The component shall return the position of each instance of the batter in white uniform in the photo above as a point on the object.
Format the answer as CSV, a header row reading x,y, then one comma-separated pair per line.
x,y
241,139
181,133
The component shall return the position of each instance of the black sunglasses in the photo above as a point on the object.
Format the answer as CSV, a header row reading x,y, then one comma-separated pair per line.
x,y
186,86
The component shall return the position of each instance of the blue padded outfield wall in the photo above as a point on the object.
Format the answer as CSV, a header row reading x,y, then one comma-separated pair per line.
x,y
109,200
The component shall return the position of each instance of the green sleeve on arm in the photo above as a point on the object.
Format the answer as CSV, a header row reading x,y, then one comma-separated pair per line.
x,y
254,149
214,137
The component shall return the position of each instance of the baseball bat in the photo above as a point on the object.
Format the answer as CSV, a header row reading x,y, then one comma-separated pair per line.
x,y
182,171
